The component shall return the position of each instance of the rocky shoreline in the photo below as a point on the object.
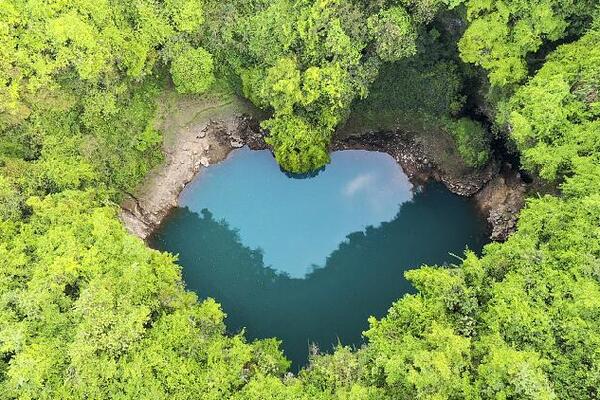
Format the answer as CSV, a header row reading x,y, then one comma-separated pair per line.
x,y
194,148
416,163
496,189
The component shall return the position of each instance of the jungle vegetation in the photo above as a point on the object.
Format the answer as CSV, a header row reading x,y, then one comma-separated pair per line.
x,y
88,311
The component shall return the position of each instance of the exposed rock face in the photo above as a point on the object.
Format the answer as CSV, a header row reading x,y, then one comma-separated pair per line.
x,y
501,200
499,193
419,166
193,149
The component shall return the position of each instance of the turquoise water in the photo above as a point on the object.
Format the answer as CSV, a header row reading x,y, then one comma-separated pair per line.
x,y
309,259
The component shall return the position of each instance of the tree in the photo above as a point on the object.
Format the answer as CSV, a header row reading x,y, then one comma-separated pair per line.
x,y
472,141
554,117
77,91
501,35
11,201
307,61
192,71
88,311
96,314
394,34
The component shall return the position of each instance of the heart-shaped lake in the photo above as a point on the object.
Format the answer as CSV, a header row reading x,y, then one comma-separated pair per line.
x,y
309,259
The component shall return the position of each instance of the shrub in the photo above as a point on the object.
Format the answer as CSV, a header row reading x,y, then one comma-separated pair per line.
x,y
471,140
192,71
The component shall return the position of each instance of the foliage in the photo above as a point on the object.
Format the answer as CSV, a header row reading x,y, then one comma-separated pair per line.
x,y
393,34
522,320
554,118
519,322
192,71
501,34
89,312
423,95
472,141
295,143
108,141
100,43
10,201
306,61
77,91
425,86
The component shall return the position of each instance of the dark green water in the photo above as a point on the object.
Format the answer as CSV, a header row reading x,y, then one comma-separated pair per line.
x,y
310,259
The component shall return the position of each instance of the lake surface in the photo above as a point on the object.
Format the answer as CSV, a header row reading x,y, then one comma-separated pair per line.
x,y
308,259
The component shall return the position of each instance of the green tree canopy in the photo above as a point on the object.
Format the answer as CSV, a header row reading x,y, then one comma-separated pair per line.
x,y
554,118
306,61
101,43
192,70
88,311
501,34
78,86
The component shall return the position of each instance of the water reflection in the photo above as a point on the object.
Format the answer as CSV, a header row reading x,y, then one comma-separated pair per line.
x,y
358,189
362,277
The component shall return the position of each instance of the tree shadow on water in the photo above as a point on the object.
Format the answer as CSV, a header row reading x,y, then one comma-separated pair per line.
x,y
332,303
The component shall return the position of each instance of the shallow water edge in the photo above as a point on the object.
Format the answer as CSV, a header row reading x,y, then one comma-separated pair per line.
x,y
204,143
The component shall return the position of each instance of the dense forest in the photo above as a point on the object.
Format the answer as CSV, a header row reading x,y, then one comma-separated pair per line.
x,y
88,311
